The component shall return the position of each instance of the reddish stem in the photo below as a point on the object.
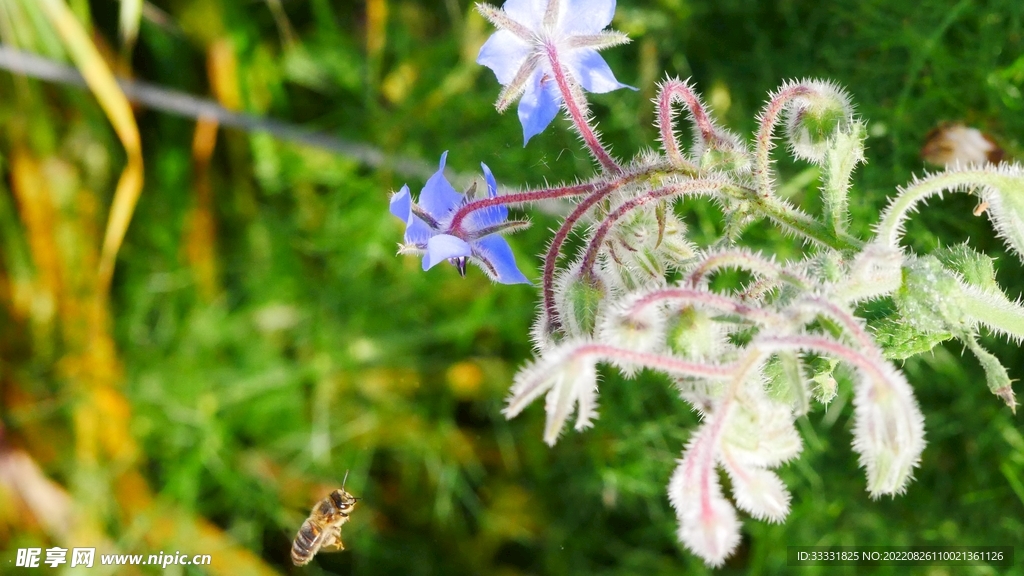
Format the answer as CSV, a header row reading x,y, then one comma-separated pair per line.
x,y
870,362
577,113
551,258
675,90
455,229
685,188
705,298
656,361
769,118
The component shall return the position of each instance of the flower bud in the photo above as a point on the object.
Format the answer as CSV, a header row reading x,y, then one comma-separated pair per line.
x,y
816,118
888,429
759,492
728,155
760,431
634,328
579,298
693,333
708,525
568,377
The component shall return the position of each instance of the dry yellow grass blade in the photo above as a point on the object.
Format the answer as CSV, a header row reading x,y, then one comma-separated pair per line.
x,y
200,231
42,505
114,103
167,527
222,70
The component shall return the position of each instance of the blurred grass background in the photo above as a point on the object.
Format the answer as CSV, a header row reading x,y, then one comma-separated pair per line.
x,y
260,338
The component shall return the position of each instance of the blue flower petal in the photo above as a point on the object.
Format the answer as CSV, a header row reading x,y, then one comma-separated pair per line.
x,y
493,215
500,211
529,13
443,247
586,16
503,53
401,204
539,105
417,232
438,197
593,72
496,259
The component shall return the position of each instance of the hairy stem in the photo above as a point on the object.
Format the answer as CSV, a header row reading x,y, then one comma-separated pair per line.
x,y
674,90
517,198
689,187
549,310
745,260
890,227
871,364
769,118
576,107
698,465
802,224
655,361
704,298
995,311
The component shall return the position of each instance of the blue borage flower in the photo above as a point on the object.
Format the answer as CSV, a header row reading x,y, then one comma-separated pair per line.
x,y
428,228
528,31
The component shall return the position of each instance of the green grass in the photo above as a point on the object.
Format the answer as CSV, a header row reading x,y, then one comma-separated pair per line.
x,y
317,351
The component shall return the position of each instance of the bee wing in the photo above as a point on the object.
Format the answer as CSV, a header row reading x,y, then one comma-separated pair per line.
x,y
308,541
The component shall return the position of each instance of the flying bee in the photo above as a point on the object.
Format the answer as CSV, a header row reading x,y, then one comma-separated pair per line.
x,y
322,530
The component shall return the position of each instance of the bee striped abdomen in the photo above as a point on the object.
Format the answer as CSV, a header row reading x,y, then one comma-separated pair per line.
x,y
306,544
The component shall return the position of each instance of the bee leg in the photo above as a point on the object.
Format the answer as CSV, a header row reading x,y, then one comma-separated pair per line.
x,y
333,543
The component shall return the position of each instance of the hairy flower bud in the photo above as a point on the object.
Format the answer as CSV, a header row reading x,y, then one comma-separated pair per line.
x,y
641,329
570,380
758,491
760,431
816,118
708,525
579,297
693,333
728,155
888,430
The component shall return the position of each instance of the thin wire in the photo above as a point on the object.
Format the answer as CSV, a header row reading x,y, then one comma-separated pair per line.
x,y
188,106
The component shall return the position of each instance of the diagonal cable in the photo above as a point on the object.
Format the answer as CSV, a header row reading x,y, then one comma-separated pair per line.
x,y
189,106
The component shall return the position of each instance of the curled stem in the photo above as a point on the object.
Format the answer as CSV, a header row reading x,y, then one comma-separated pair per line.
x,y
675,90
549,310
769,118
890,227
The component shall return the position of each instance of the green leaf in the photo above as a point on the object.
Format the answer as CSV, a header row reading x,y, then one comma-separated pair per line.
x,y
899,340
